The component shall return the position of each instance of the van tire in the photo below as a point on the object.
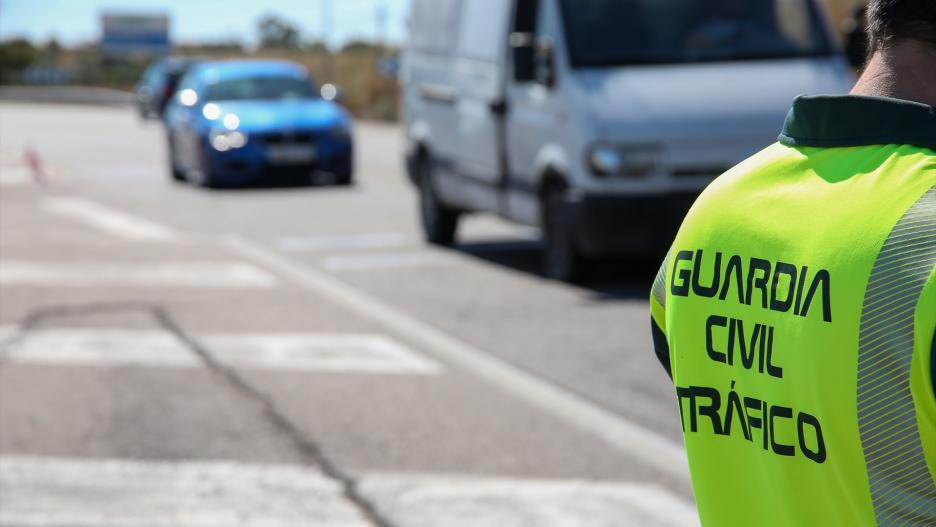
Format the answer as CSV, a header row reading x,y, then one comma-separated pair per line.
x,y
439,222
561,258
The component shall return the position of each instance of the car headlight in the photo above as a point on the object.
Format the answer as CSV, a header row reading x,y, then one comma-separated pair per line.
x,y
211,111
224,141
627,161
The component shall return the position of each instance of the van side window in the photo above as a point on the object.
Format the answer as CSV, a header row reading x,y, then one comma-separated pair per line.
x,y
523,33
479,35
526,15
544,52
541,26
433,25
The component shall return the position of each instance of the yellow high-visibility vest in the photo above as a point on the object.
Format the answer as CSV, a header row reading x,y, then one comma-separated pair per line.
x,y
796,313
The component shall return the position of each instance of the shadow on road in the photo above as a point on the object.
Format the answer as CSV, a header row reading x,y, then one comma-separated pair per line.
x,y
282,185
609,279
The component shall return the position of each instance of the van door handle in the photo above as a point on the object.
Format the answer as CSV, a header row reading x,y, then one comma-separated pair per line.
x,y
438,93
498,107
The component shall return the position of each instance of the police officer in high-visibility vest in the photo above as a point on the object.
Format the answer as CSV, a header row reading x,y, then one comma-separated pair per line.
x,y
796,310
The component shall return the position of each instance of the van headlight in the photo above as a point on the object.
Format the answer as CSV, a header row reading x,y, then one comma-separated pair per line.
x,y
224,141
626,161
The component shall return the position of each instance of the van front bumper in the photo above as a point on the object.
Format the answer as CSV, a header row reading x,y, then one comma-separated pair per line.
x,y
617,224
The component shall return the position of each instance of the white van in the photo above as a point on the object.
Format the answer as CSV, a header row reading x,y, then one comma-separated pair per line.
x,y
599,121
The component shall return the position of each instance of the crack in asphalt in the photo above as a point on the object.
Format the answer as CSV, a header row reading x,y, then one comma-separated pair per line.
x,y
308,448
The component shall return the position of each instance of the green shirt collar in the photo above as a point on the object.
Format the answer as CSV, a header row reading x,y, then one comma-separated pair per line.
x,y
838,121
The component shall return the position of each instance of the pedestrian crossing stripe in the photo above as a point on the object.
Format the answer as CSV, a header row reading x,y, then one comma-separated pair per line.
x,y
188,274
13,176
60,492
107,220
52,492
333,353
434,500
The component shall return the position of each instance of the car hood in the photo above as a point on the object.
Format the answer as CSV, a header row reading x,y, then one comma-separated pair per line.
x,y
261,116
716,98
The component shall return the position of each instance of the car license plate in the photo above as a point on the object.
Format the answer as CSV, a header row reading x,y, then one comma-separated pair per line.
x,y
287,154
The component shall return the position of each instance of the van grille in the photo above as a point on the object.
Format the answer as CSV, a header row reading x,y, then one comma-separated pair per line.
x,y
709,172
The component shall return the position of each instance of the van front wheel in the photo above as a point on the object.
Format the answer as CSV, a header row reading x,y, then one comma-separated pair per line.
x,y
562,259
438,221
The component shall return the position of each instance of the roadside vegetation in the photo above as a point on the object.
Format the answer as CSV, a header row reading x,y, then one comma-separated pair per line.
x,y
364,72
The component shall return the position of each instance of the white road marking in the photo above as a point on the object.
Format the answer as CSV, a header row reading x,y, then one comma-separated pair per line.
x,y
108,220
10,155
460,501
7,333
198,274
651,448
347,242
369,262
50,492
11,176
60,492
371,354
94,347
330,353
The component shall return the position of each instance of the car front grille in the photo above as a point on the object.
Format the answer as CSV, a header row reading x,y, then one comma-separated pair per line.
x,y
278,138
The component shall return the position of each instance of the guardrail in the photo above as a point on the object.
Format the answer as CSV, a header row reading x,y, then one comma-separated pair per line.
x,y
66,95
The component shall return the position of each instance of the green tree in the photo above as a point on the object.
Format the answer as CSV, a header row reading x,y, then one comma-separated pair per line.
x,y
316,47
52,48
277,33
15,56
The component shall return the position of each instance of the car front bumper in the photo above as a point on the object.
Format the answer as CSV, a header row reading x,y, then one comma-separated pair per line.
x,y
251,164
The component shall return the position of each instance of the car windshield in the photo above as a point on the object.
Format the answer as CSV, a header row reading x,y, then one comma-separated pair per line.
x,y
260,88
154,73
605,33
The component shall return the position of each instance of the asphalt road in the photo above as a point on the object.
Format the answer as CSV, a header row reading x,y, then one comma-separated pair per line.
x,y
298,356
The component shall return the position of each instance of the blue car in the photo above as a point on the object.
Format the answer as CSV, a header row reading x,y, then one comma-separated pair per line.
x,y
256,121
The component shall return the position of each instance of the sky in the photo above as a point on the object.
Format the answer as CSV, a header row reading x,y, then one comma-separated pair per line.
x,y
77,21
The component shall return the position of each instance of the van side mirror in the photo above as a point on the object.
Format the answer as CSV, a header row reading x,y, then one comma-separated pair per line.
x,y
524,56
545,63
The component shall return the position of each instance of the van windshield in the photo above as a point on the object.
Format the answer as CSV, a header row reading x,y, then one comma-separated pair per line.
x,y
604,33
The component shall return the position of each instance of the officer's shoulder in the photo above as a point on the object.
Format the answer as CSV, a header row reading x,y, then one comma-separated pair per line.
x,y
747,172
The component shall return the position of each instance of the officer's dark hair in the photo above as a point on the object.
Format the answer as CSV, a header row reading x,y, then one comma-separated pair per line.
x,y
890,21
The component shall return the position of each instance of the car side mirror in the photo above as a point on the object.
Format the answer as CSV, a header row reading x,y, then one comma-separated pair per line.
x,y
524,57
545,63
